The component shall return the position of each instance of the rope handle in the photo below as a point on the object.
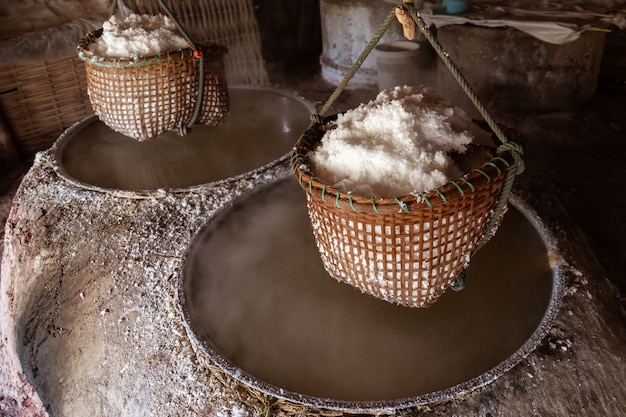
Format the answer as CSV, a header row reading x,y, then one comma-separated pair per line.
x,y
197,53
401,11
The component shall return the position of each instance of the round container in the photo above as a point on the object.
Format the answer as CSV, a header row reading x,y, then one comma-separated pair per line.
x,y
261,128
397,63
347,27
258,303
456,6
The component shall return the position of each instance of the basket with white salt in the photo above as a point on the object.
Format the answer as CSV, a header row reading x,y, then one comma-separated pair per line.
x,y
146,77
400,193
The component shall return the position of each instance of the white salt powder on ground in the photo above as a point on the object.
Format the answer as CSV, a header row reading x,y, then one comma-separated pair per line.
x,y
395,145
137,36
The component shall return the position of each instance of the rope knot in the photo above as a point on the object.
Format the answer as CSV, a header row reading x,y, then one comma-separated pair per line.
x,y
512,147
516,150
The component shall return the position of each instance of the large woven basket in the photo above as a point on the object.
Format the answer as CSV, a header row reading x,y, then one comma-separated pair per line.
x,y
146,97
39,100
406,250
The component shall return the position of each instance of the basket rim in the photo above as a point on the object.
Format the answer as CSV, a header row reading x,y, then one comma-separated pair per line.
x,y
85,54
474,181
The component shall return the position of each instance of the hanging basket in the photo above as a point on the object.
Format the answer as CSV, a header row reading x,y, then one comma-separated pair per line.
x,y
408,250
152,95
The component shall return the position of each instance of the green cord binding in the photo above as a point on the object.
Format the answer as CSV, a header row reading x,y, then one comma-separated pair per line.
x,y
135,63
426,200
458,187
469,184
443,197
402,205
374,206
491,164
352,204
300,178
504,161
484,174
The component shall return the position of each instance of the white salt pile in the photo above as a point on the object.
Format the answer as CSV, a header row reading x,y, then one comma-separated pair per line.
x,y
137,36
397,144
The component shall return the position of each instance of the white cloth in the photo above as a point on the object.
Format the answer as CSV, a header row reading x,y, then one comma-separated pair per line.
x,y
550,32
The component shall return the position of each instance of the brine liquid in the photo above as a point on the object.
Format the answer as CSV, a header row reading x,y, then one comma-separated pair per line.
x,y
257,291
262,126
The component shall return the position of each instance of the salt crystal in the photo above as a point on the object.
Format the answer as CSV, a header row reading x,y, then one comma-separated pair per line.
x,y
397,144
137,36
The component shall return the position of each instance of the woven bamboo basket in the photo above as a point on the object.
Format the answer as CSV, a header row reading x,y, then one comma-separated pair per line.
x,y
405,250
39,100
144,98
410,249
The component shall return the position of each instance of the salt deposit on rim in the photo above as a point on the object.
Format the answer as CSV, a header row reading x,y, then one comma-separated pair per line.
x,y
397,144
137,36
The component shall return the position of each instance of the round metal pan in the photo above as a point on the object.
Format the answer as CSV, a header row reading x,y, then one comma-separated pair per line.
x,y
257,301
261,128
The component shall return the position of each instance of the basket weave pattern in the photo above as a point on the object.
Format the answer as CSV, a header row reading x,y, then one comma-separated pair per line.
x,y
142,99
39,100
405,250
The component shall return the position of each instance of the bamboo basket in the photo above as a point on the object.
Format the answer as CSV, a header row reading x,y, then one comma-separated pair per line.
x,y
405,250
39,100
144,98
410,249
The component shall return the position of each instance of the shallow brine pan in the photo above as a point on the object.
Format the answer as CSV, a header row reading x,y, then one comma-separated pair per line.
x,y
262,126
257,302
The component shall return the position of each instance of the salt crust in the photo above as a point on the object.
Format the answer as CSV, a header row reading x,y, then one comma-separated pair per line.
x,y
137,36
397,144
